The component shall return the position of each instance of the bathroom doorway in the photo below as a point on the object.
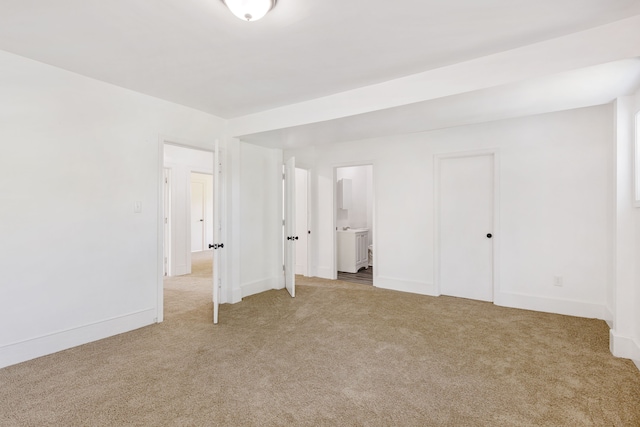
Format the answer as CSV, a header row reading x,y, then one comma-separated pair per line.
x,y
354,224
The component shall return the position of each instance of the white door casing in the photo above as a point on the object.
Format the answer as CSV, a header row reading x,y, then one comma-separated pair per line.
x,y
290,226
218,245
465,230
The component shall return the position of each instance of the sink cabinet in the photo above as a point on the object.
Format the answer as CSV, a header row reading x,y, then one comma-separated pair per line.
x,y
352,247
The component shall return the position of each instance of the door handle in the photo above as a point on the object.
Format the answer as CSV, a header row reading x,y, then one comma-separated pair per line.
x,y
201,220
216,245
489,235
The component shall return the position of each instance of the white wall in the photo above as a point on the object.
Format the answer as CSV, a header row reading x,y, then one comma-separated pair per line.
x,y
182,161
555,193
261,218
77,263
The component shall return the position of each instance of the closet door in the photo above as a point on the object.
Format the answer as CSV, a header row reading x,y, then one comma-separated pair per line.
x,y
466,203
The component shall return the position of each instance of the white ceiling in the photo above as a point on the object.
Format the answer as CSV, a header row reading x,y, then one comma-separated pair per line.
x,y
196,53
574,89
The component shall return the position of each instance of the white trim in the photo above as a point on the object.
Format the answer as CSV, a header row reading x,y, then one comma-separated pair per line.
x,y
259,286
607,315
636,163
324,273
62,340
551,305
622,346
232,215
403,285
437,158
160,236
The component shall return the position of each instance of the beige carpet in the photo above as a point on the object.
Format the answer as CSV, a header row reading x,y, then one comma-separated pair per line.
x,y
338,354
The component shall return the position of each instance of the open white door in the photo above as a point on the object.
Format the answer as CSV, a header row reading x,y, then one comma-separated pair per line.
x,y
217,228
290,226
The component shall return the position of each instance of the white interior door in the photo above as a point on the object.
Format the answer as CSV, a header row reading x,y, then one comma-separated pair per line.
x,y
290,226
466,226
197,216
302,222
218,245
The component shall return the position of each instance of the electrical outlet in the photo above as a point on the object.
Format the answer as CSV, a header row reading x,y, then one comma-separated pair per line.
x,y
557,280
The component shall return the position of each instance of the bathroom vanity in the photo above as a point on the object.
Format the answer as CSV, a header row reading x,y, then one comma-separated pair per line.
x,y
352,246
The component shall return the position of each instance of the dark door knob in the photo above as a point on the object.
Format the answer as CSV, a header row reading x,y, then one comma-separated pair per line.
x,y
489,235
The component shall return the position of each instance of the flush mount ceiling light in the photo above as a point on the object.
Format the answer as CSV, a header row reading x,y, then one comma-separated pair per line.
x,y
249,10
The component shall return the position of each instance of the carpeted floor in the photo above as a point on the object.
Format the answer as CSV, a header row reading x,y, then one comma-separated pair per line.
x,y
338,354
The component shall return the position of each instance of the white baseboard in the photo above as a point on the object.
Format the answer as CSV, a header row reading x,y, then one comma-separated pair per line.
x,y
22,351
608,316
181,270
324,273
637,363
260,286
623,346
422,288
236,295
552,305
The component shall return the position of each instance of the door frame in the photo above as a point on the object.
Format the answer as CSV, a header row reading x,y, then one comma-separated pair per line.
x,y
437,159
374,208
162,140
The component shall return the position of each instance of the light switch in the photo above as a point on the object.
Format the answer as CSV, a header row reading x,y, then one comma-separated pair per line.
x,y
137,206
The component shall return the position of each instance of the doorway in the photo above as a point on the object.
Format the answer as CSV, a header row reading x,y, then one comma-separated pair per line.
x,y
465,212
354,224
187,229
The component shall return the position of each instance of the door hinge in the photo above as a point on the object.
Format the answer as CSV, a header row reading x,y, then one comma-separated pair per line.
x,y
283,269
